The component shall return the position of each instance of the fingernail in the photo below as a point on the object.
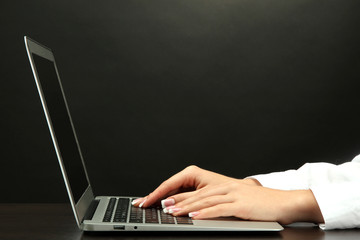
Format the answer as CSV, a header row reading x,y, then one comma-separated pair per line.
x,y
142,203
167,202
174,210
135,201
193,214
166,210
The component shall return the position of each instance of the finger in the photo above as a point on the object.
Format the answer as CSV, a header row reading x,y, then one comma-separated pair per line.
x,y
200,205
180,197
220,210
201,194
183,179
139,202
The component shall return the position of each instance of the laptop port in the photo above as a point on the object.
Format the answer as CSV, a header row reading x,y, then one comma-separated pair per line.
x,y
119,227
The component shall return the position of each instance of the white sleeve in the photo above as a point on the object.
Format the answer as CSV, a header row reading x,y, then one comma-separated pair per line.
x,y
335,187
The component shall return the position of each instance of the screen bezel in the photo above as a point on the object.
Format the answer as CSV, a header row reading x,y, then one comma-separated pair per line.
x,y
79,207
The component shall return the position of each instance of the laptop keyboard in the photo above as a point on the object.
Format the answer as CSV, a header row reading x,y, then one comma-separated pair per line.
x,y
118,211
109,210
121,210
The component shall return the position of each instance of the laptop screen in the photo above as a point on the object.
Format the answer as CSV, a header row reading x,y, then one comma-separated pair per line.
x,y
62,126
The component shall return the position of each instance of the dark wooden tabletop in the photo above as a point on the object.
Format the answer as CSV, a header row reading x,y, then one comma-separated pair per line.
x,y
56,221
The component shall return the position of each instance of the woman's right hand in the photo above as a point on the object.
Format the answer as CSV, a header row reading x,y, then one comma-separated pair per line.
x,y
188,180
202,194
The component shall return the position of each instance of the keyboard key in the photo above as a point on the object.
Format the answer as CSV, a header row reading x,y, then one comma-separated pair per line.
x,y
121,211
136,215
184,220
151,215
109,210
166,218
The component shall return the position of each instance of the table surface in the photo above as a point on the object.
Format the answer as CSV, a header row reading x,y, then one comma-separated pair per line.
x,y
56,221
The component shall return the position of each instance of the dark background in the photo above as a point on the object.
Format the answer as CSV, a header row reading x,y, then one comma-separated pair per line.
x,y
234,86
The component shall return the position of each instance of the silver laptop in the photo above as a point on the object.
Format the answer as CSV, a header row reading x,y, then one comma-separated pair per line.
x,y
104,213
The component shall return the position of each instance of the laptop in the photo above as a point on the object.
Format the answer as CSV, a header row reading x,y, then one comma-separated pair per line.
x,y
104,213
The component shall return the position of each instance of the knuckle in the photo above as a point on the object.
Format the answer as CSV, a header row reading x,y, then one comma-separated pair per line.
x,y
207,202
234,184
202,192
192,168
221,208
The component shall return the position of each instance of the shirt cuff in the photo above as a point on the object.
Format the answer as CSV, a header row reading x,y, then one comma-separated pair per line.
x,y
339,205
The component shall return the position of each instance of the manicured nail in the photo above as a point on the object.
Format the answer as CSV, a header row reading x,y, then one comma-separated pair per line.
x,y
135,201
167,202
174,210
193,214
142,203
166,210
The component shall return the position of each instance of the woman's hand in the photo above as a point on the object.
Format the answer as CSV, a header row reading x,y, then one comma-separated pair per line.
x,y
209,195
190,179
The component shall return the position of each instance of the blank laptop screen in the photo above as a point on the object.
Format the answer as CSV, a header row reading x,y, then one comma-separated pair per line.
x,y
61,123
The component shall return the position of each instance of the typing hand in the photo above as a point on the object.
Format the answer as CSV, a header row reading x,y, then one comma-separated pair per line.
x,y
203,194
185,184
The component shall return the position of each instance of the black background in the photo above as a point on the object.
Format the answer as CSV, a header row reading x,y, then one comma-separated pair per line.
x,y
238,87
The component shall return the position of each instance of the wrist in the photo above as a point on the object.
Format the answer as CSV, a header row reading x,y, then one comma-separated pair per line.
x,y
301,206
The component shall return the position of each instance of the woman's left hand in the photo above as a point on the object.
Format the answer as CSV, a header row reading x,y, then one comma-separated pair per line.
x,y
249,202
